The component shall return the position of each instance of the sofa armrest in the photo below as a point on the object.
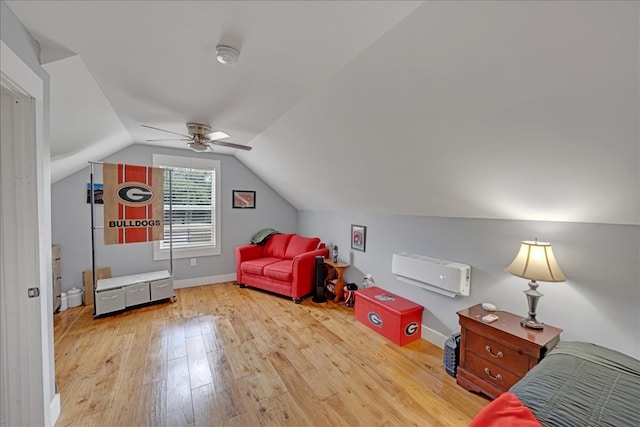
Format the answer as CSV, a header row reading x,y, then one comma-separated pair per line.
x,y
304,271
245,253
248,252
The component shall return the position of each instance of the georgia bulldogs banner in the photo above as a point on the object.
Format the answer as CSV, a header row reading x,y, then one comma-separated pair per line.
x,y
133,203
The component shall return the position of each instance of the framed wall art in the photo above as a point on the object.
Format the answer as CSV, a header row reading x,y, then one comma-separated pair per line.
x,y
358,237
98,190
244,199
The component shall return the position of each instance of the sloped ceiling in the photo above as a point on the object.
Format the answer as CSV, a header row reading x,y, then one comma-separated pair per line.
x,y
518,110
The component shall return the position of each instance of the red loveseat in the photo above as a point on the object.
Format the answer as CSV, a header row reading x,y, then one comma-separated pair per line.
x,y
284,265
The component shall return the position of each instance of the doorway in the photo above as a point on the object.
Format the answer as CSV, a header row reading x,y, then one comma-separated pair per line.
x,y
27,394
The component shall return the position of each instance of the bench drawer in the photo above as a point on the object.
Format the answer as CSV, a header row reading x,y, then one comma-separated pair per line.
x,y
161,289
137,294
109,301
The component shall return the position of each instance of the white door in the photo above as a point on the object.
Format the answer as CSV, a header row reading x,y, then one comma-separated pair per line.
x,y
25,317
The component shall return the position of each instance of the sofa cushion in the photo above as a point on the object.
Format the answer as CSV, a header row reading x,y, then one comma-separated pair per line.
x,y
299,245
282,271
256,266
276,246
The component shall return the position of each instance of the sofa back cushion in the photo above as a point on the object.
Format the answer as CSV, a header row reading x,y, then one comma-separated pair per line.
x,y
299,245
276,246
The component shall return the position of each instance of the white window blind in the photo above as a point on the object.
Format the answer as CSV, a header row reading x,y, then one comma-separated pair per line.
x,y
193,203
194,194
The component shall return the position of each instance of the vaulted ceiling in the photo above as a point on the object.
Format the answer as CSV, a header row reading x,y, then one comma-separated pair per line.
x,y
519,110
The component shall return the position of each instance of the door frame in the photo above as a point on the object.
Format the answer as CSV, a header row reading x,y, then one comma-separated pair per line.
x,y
25,178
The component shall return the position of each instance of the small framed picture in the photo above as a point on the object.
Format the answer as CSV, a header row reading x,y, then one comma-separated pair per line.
x,y
358,237
244,199
97,193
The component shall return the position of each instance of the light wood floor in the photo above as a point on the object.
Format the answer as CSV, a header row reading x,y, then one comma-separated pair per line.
x,y
225,356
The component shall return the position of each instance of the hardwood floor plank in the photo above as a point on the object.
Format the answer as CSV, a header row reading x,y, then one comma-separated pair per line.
x,y
211,408
225,356
177,340
199,373
127,390
157,353
152,406
179,404
106,378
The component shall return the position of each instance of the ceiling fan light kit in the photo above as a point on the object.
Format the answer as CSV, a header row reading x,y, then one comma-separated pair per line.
x,y
198,146
201,138
226,55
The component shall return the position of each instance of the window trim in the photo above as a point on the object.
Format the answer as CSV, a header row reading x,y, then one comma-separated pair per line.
x,y
164,160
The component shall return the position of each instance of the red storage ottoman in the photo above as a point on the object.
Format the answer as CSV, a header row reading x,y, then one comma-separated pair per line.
x,y
392,316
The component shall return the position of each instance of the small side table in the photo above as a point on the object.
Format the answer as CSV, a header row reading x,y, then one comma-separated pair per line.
x,y
339,268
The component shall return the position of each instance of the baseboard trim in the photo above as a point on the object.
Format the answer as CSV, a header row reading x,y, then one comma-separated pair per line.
x,y
433,336
55,409
207,280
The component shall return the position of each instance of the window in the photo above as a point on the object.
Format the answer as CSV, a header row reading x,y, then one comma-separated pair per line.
x,y
194,213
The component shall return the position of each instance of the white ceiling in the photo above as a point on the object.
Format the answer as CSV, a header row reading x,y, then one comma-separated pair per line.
x,y
519,110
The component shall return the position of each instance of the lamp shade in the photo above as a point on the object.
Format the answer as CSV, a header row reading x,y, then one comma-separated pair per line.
x,y
535,261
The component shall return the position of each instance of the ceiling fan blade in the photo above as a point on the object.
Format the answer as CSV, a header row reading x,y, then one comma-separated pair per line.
x,y
170,139
217,134
168,131
232,145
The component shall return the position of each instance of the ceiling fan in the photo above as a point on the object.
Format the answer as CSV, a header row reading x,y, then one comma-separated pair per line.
x,y
201,137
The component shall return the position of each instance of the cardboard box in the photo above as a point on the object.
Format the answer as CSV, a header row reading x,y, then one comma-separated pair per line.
x,y
392,316
87,282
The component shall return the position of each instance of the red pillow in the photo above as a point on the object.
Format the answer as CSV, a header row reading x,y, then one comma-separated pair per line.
x,y
505,411
299,245
276,246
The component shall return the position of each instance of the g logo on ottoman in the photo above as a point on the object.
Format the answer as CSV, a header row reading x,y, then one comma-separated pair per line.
x,y
375,319
411,329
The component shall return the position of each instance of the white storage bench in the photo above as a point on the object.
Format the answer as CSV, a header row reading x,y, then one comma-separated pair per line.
x,y
118,293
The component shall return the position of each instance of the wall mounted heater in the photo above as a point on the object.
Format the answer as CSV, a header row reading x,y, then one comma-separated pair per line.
x,y
437,275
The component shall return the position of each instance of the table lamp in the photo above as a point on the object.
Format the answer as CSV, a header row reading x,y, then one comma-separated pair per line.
x,y
535,261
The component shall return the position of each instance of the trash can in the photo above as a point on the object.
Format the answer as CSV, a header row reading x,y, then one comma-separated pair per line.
x,y
74,297
63,301
350,294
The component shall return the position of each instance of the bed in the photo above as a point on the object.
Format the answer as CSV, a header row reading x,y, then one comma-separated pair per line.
x,y
576,384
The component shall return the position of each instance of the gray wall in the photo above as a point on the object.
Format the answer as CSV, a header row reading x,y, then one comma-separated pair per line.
x,y
599,302
72,230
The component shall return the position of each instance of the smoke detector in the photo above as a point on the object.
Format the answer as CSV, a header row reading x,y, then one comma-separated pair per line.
x,y
226,55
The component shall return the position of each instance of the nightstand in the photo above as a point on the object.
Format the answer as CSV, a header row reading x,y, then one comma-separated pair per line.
x,y
494,356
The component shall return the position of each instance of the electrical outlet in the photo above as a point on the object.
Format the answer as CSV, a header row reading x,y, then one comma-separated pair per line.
x,y
194,262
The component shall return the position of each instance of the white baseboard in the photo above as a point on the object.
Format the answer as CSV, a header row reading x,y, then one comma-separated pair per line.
x,y
207,280
55,409
433,336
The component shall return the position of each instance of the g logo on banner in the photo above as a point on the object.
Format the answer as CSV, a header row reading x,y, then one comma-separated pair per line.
x,y
411,329
135,195
375,319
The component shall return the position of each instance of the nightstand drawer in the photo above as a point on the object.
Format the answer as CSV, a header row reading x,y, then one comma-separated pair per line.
x,y
490,372
497,353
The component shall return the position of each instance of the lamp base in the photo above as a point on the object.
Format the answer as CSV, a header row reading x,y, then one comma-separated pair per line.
x,y
533,295
532,323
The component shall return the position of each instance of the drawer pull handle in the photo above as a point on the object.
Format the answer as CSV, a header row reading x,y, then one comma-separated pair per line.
x,y
497,377
161,286
498,354
108,298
